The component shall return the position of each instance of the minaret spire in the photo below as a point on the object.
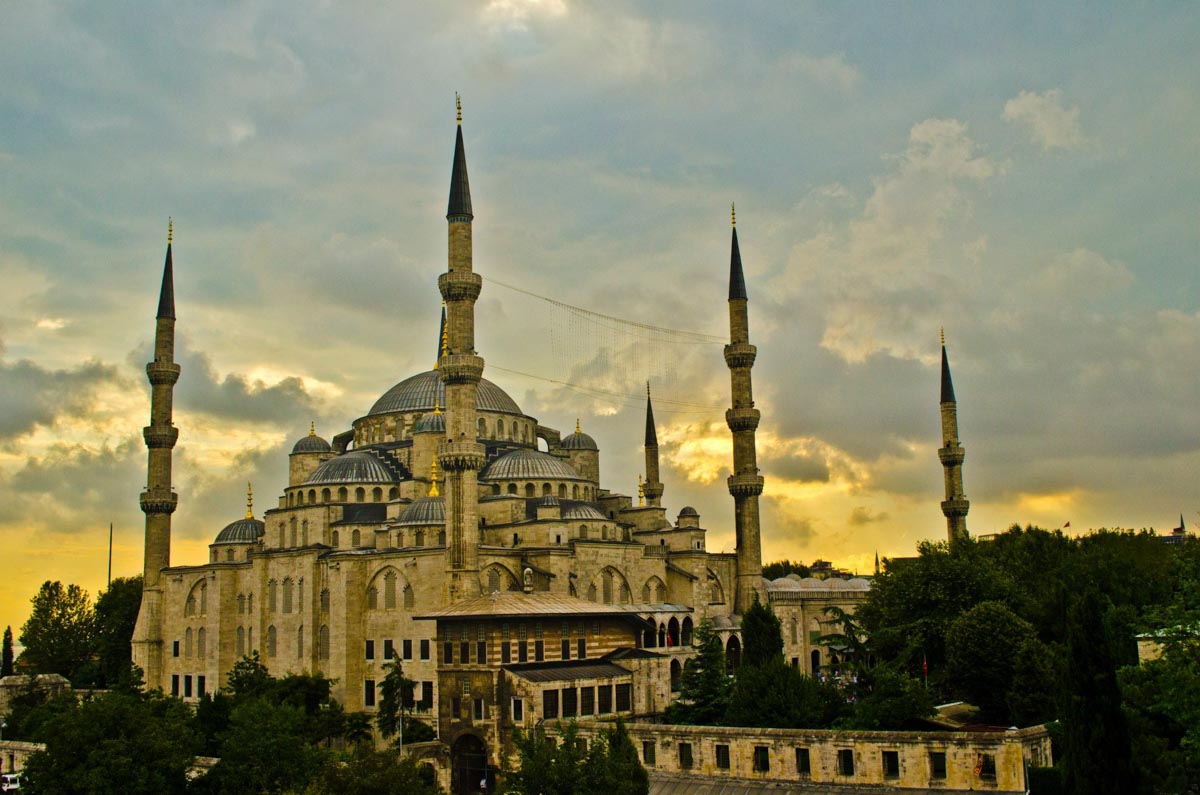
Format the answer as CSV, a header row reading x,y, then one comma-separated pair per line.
x,y
653,487
442,341
249,501
158,500
745,484
955,506
460,455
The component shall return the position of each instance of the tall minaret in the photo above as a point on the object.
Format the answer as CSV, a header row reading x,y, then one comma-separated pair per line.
x,y
745,484
461,455
652,488
158,500
955,506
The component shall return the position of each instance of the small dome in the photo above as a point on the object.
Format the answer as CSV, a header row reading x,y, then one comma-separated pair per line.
x,y
858,584
526,464
783,584
549,501
430,422
243,531
581,510
311,444
721,622
579,441
688,510
425,511
421,391
357,466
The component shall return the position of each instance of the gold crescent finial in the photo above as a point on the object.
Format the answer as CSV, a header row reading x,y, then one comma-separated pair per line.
x,y
170,229
458,107
312,429
577,430
249,501
943,332
732,215
433,489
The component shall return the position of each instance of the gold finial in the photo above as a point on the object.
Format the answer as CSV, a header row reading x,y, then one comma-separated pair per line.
x,y
577,430
445,341
249,501
170,229
732,215
437,405
433,489
312,429
943,331
641,492
458,107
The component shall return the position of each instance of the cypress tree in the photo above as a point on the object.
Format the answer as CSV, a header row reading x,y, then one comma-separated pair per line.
x,y
762,636
703,687
6,657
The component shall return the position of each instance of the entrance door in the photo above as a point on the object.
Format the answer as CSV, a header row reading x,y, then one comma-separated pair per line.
x,y
469,763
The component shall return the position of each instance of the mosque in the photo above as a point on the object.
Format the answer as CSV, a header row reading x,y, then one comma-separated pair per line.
x,y
435,530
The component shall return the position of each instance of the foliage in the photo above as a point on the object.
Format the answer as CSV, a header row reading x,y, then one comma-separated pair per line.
x,y
116,614
703,685
885,698
32,710
371,772
263,750
1162,702
782,568
115,743
979,663
610,766
395,698
613,766
776,695
6,656
1096,746
762,636
58,637
249,677
1032,693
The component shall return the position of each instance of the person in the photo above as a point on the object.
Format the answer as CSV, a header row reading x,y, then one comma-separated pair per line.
x,y
483,784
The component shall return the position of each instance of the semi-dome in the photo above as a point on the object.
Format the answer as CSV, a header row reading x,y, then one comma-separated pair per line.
x,y
311,444
357,466
242,531
430,422
529,465
426,510
549,501
423,390
579,441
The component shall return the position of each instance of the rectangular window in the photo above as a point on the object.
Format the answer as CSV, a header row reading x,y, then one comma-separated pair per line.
x,y
478,714
937,764
762,759
175,649
447,653
986,764
570,702
200,686
549,704
605,700
566,648
624,698
539,650
648,749
464,652
406,647
518,710
187,686
389,650
587,701
456,707
891,764
845,762
175,685
803,763
427,696
505,653
370,650
481,652
723,757
685,755
425,649
368,692
595,629
523,651
581,648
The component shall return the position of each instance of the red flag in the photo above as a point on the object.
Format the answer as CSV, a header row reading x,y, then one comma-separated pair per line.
x,y
669,643
925,665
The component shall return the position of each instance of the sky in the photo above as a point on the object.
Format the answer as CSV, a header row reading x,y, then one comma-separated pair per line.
x,y
1025,175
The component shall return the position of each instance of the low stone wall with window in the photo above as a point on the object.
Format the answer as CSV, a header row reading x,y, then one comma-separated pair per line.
x,y
947,761
13,754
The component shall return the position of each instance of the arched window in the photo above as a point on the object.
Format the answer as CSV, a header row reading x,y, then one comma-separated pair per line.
x,y
575,492
481,429
676,674
499,429
342,494
441,538
312,496
583,532
606,585
241,641
389,590
529,490
493,580
408,597
419,538
189,607
377,494
360,494
512,488
673,632
685,631
300,642
282,534
323,641
287,595
241,604
393,493
271,641
293,529
546,490
335,539
272,596
562,491
355,538
324,600
592,592
647,594
815,661
304,532
229,554
795,630
201,646
325,495
373,598
187,642
291,497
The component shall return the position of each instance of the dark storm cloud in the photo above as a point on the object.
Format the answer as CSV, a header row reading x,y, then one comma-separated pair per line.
x,y
32,396
71,488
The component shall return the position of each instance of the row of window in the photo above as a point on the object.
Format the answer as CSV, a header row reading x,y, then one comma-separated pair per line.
x,y
298,497
200,648
577,492
422,694
570,702
186,680
406,649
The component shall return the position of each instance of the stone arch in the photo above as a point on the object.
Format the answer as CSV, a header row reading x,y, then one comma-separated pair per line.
x,y
654,591
272,641
325,494
815,661
497,577
312,496
716,591
469,765
676,674
529,491
611,587
512,488
685,631
197,599
390,587
673,632
335,539
343,495
360,494
733,654
393,493
377,494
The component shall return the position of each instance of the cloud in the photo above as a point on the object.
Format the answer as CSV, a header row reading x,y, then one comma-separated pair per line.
x,y
32,396
862,515
1044,118
831,70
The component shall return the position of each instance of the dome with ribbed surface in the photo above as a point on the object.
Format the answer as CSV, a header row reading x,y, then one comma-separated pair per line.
x,y
549,501
579,441
688,510
311,444
242,531
528,465
581,510
427,510
357,466
430,422
420,392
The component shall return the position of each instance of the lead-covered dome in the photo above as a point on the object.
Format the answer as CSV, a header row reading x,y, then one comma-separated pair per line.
x,y
311,444
579,441
430,422
357,466
528,465
425,511
241,532
422,391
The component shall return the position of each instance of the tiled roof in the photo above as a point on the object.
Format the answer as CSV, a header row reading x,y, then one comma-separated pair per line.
x,y
567,671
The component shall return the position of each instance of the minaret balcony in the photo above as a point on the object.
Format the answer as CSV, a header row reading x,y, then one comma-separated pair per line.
x,y
742,419
740,355
159,501
952,456
745,485
957,506
460,285
461,368
461,456
162,373
160,436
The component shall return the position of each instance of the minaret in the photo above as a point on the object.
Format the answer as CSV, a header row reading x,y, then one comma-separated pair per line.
x,y
461,455
745,484
955,506
158,500
652,488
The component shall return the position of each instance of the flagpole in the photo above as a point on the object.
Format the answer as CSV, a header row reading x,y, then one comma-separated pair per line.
x,y
110,534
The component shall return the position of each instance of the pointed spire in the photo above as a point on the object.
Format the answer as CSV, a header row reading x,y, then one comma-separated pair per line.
x,y
737,281
166,296
433,489
443,339
460,188
947,383
651,435
249,501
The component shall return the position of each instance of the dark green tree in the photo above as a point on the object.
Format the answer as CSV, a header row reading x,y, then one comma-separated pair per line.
x,y
1032,694
549,766
115,743
886,698
1097,757
249,677
395,698
776,695
371,772
59,635
782,568
613,765
703,686
980,658
116,614
265,749
762,635
6,656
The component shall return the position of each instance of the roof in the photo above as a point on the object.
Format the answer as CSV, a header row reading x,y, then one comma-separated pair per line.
x,y
311,444
795,583
526,464
737,281
460,188
581,510
688,510
430,422
651,434
420,392
425,511
518,603
947,383
566,671
166,296
579,441
357,466
241,531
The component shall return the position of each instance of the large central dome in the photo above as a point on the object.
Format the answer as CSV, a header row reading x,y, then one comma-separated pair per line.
x,y
419,393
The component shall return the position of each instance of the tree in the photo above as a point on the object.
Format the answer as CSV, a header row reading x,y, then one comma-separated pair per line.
x,y
265,749
395,699
980,647
886,698
1097,757
115,743
778,696
1031,695
613,766
782,568
249,677
371,772
548,767
58,637
703,687
116,614
762,635
6,657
